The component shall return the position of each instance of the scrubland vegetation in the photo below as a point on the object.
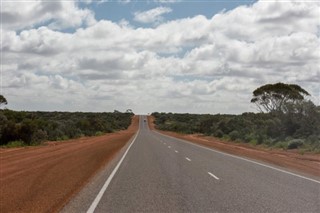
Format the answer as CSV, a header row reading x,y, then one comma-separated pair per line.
x,y
32,128
286,120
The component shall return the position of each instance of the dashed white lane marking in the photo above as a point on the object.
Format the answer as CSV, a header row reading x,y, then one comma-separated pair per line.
x,y
188,159
241,158
169,147
212,175
176,151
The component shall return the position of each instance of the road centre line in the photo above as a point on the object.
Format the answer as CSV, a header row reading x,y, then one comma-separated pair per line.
x,y
106,184
176,151
213,175
169,147
188,159
241,158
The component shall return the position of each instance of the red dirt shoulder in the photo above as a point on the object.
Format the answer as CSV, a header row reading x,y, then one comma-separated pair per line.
x,y
44,178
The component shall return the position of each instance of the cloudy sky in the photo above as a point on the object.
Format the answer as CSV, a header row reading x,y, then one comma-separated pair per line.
x,y
164,55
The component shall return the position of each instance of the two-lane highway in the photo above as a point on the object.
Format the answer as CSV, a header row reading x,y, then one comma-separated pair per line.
x,y
163,174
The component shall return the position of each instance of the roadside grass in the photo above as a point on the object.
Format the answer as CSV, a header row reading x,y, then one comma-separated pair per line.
x,y
14,144
99,133
19,143
302,146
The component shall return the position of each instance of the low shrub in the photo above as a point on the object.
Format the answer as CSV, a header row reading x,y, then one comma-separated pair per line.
x,y
218,134
226,137
99,133
39,136
234,135
253,142
313,139
249,137
13,144
295,143
281,145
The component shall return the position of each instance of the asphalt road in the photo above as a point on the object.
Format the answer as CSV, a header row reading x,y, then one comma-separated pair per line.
x,y
163,174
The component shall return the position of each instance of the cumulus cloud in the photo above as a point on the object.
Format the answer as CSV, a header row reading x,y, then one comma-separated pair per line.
x,y
194,64
17,15
154,15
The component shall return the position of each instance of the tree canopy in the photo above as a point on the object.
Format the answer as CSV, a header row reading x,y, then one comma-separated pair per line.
x,y
3,100
276,97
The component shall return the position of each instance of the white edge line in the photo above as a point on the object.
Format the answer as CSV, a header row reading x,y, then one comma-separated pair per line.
x,y
241,158
213,175
106,184
188,159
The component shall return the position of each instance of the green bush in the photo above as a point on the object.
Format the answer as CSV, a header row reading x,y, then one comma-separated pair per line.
x,y
225,137
218,133
281,145
99,133
65,137
267,129
13,144
313,139
234,135
248,138
35,127
253,142
39,136
295,143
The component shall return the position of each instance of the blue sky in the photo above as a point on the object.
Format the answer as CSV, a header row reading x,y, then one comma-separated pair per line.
x,y
117,11
183,56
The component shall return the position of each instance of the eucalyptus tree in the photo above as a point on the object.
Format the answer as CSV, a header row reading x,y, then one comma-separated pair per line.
x,y
277,97
3,100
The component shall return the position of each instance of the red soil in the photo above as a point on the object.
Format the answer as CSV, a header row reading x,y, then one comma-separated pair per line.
x,y
307,163
44,178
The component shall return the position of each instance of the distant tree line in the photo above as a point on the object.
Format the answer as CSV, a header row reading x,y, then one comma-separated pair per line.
x,y
32,128
286,120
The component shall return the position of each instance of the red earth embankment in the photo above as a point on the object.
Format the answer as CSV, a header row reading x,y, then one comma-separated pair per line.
x,y
307,163
44,178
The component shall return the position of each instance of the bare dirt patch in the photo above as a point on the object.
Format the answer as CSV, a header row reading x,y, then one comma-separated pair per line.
x,y
307,163
44,178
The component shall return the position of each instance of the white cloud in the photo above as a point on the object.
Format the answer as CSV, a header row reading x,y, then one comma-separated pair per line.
x,y
152,16
56,14
194,64
124,1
